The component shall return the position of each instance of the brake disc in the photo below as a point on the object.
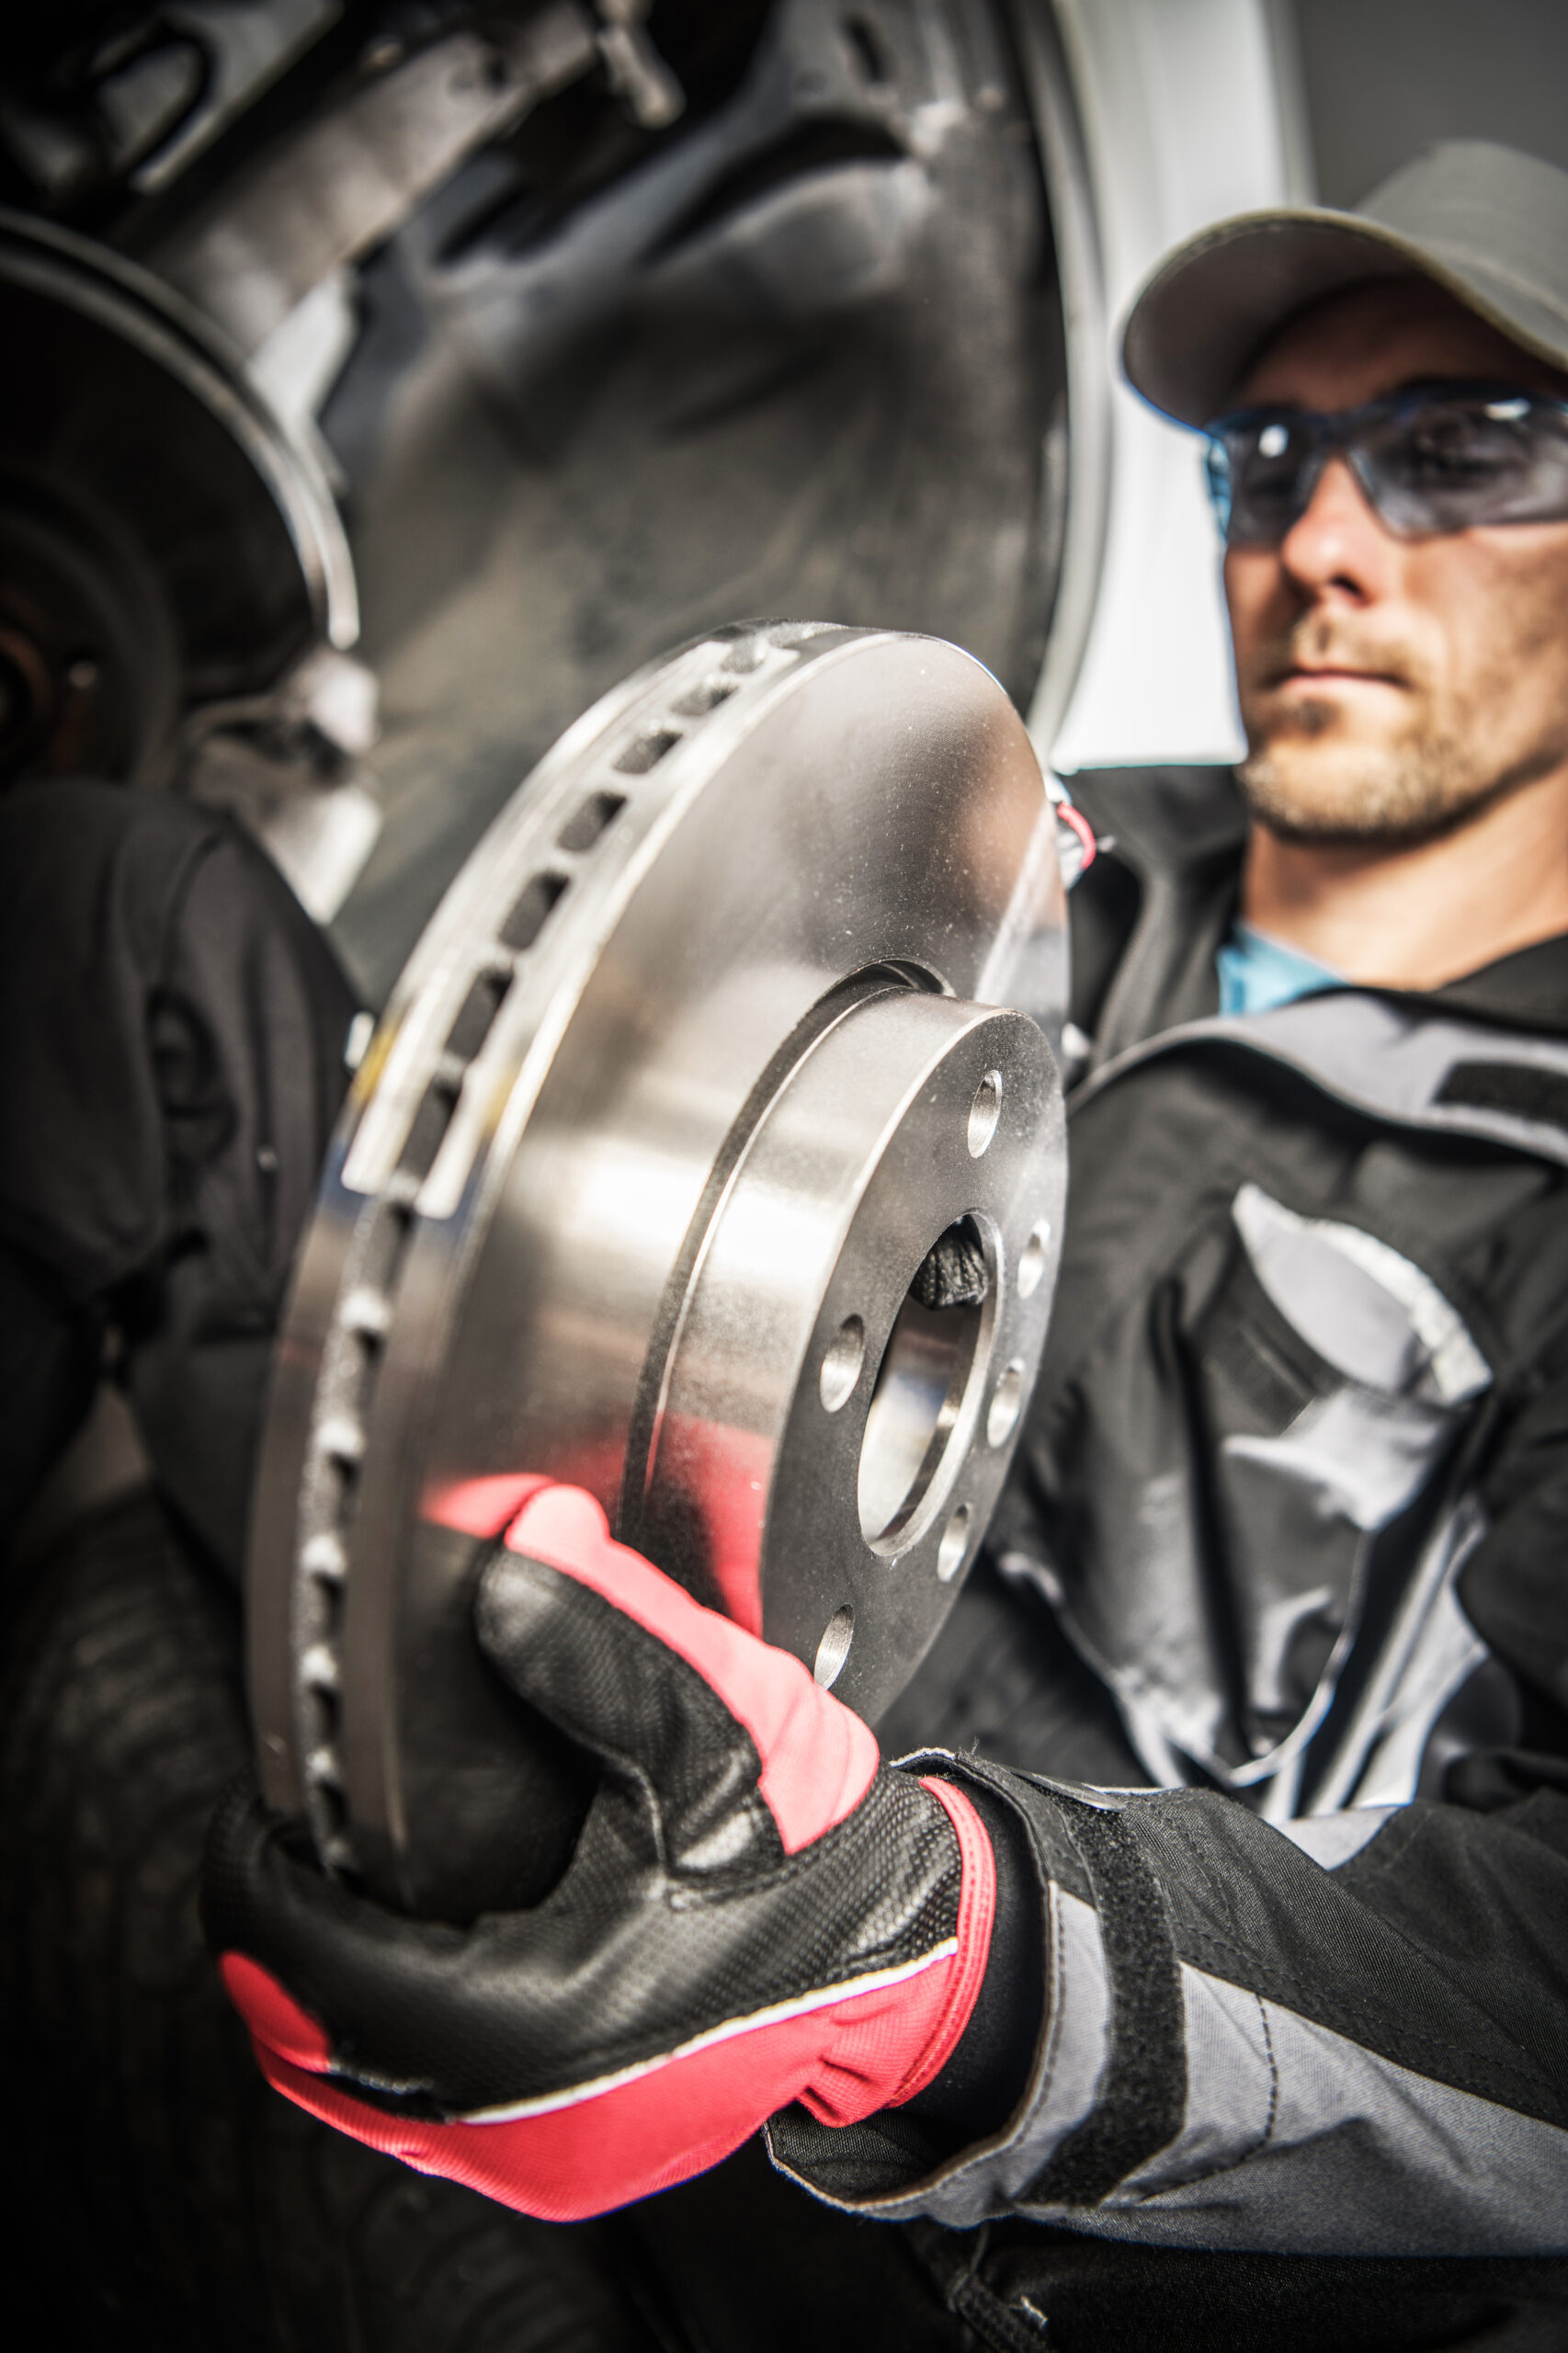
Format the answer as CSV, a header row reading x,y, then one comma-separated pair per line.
x,y
165,540
708,1046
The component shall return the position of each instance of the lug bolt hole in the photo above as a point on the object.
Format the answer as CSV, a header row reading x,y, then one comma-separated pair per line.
x,y
1031,1261
1006,1402
984,1112
841,1363
954,1545
834,1647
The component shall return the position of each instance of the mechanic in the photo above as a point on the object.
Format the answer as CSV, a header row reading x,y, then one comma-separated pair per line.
x,y
1233,1915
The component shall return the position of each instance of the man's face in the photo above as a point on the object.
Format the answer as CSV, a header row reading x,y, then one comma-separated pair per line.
x,y
1392,687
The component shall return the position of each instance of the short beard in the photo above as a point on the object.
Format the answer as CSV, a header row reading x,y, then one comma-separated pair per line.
x,y
1389,798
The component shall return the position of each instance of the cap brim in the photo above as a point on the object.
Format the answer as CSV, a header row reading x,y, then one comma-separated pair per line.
x,y
1210,307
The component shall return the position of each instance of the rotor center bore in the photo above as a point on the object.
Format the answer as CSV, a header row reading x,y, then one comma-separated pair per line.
x,y
934,1356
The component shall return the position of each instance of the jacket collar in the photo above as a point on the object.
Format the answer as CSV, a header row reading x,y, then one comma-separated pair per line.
x,y
1181,831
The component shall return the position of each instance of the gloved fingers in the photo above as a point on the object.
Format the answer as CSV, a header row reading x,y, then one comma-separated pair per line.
x,y
333,1955
628,1665
421,2020
639,1707
567,2161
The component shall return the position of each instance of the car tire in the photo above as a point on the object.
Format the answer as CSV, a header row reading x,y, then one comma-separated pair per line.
x,y
161,2195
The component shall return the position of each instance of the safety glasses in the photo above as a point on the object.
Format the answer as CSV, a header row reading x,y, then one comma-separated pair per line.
x,y
1433,458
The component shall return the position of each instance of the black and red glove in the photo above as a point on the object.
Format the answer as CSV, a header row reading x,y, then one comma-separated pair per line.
x,y
757,1912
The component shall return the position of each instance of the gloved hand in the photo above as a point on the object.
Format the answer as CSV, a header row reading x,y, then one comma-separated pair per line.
x,y
757,1912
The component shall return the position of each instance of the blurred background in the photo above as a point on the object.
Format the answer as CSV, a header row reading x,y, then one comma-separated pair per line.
x,y
487,351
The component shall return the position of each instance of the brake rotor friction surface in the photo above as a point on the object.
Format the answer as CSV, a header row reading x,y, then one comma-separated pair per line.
x,y
698,1059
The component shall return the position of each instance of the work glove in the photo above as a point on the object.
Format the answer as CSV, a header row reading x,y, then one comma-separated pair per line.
x,y
757,1912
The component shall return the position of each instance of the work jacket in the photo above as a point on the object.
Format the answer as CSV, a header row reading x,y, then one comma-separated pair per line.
x,y
1270,1659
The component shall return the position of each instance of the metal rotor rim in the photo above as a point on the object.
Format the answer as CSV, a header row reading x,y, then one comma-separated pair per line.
x,y
148,314
326,1580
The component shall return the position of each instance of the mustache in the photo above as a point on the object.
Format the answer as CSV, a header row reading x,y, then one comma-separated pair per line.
x,y
1334,642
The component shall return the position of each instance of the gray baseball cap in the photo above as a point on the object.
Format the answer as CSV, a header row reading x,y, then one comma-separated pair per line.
x,y
1485,221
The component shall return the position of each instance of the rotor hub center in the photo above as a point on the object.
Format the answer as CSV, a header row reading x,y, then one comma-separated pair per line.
x,y
818,1452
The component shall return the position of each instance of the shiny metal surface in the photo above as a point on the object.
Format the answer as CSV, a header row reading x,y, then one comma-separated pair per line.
x,y
698,1058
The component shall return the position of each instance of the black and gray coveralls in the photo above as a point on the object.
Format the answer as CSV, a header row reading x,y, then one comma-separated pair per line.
x,y
1277,1609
